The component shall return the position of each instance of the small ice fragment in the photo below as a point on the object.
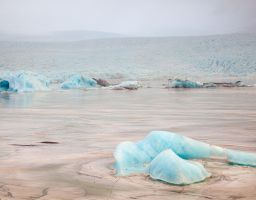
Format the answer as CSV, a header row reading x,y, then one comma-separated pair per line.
x,y
130,85
178,83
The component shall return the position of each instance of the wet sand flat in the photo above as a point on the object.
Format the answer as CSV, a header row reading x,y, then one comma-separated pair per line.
x,y
58,145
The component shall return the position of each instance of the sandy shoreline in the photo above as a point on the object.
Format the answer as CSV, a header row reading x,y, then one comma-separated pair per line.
x,y
89,124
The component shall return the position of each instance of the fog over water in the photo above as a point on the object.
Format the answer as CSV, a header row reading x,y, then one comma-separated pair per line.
x,y
133,17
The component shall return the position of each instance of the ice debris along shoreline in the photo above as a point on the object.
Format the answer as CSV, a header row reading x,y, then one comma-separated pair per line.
x,y
23,82
26,81
179,83
129,85
165,156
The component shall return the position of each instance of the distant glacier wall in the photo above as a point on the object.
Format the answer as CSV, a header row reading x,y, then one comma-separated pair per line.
x,y
141,58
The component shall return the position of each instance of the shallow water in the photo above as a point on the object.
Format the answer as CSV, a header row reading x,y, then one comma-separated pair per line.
x,y
89,124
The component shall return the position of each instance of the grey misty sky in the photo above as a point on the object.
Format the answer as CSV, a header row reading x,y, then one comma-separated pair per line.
x,y
131,17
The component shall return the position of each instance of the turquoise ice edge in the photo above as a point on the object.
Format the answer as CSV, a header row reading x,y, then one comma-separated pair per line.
x,y
166,156
26,81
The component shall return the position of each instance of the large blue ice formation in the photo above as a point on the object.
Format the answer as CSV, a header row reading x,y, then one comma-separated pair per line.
x,y
177,83
133,158
23,81
169,167
78,81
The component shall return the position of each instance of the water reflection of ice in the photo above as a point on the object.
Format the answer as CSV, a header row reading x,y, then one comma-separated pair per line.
x,y
19,100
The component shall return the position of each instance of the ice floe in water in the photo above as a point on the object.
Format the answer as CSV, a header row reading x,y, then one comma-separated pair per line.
x,y
78,81
147,157
178,83
130,85
169,167
23,81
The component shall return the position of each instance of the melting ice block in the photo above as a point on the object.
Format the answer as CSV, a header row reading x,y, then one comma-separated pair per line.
x,y
177,83
169,167
132,158
163,155
78,81
24,81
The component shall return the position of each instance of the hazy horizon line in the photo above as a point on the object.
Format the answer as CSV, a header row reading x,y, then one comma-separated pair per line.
x,y
52,33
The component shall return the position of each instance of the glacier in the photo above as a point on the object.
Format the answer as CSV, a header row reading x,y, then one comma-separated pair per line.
x,y
139,157
77,81
149,58
23,81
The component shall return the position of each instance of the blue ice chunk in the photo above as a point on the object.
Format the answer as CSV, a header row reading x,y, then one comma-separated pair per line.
x,y
26,81
4,85
169,167
130,159
187,148
177,83
135,157
241,158
78,81
146,156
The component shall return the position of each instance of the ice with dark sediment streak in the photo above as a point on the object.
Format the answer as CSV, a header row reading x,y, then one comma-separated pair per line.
x,y
23,81
178,83
77,81
138,157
